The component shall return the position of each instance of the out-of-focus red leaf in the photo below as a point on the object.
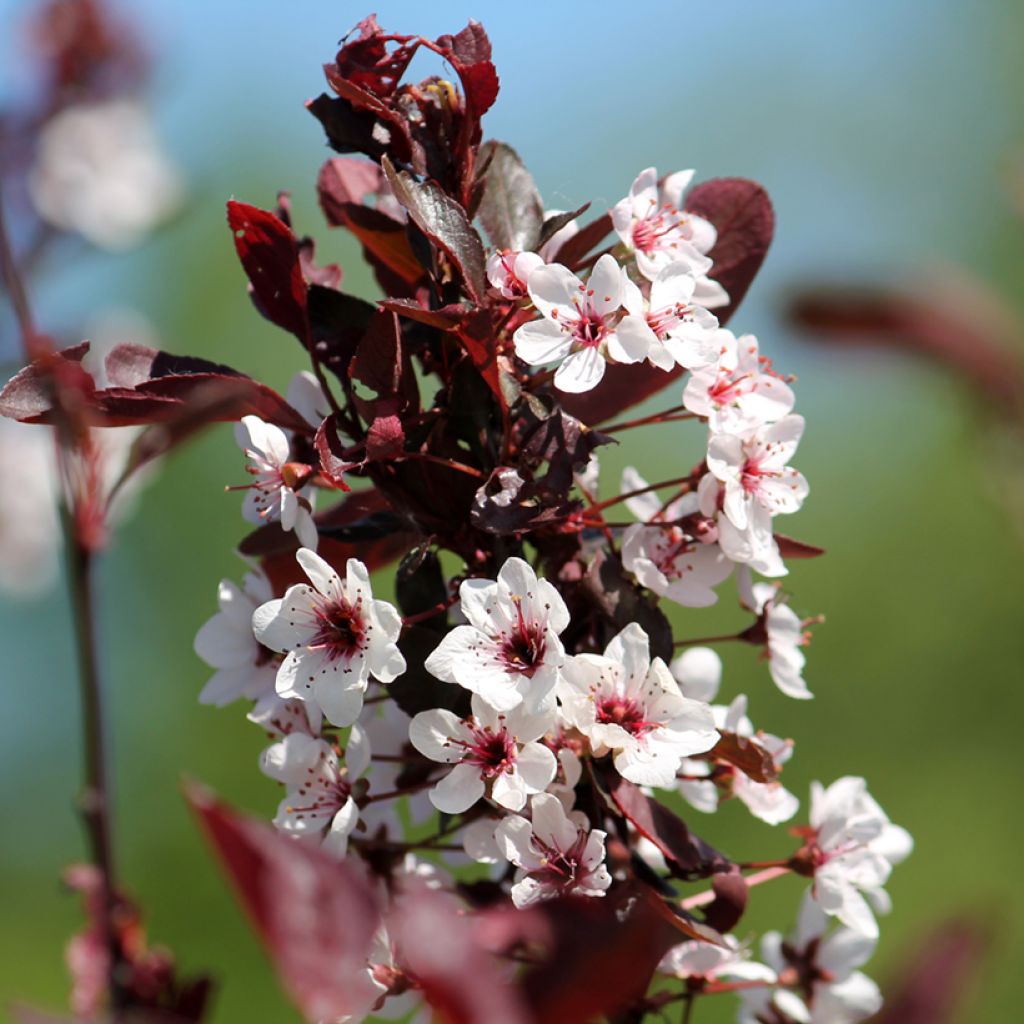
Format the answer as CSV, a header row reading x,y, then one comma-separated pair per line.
x,y
28,395
345,179
476,335
269,252
510,209
458,977
445,223
315,916
955,323
790,547
687,856
744,753
931,986
603,955
742,215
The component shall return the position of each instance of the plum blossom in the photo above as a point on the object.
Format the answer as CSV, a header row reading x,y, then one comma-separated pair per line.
x,y
758,481
281,716
335,637
307,398
627,704
245,668
668,325
737,390
770,802
490,750
577,328
652,224
101,173
555,853
667,556
707,962
851,848
819,970
319,806
509,271
279,492
509,652
781,631
754,546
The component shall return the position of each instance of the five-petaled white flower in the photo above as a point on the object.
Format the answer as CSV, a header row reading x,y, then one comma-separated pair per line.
x,y
509,652
783,634
625,703
319,806
577,327
668,325
654,226
556,853
819,970
492,750
279,492
737,391
852,846
707,962
754,471
245,668
334,635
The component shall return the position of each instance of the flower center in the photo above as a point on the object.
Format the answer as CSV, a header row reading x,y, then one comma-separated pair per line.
x,y
562,868
625,712
589,330
341,631
492,752
728,388
655,231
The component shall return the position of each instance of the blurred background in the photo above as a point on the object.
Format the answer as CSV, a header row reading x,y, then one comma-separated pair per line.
x,y
888,137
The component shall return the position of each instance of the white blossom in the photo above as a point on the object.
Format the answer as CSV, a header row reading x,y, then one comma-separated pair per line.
x,y
737,391
509,271
245,668
668,324
627,704
495,751
852,847
823,983
652,223
101,172
784,635
708,962
509,652
278,493
577,327
334,635
319,806
556,853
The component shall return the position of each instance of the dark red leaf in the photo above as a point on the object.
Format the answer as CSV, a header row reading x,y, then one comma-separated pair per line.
x,y
347,180
269,253
446,318
746,754
316,916
333,463
445,223
384,240
375,60
574,249
745,221
378,359
416,689
789,547
476,335
687,856
385,439
510,209
603,955
469,52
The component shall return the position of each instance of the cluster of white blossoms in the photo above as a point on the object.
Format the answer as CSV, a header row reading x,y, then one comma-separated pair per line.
x,y
523,719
